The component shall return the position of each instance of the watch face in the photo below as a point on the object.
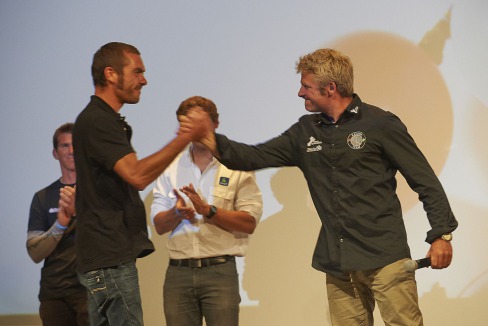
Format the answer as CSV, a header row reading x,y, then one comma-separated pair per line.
x,y
446,237
212,212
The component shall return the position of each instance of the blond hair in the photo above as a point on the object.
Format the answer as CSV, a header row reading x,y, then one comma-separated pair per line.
x,y
328,65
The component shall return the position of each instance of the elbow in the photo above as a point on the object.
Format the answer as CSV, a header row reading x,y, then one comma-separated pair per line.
x,y
160,227
35,259
137,183
32,254
159,230
251,227
250,231
139,187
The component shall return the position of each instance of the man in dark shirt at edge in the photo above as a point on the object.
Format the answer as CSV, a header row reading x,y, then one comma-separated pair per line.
x,y
51,237
349,153
112,230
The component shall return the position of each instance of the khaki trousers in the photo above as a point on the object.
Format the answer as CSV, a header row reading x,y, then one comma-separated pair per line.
x,y
352,302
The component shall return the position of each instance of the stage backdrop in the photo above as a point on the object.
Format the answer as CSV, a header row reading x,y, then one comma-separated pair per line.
x,y
423,60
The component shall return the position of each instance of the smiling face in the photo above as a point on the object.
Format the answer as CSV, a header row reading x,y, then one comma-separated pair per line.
x,y
316,100
130,82
64,152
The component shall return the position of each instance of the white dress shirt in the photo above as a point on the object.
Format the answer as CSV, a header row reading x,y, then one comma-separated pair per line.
x,y
218,186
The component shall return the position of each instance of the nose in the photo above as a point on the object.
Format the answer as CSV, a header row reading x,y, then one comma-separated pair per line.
x,y
301,92
143,80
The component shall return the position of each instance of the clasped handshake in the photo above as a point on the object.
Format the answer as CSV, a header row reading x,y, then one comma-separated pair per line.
x,y
197,126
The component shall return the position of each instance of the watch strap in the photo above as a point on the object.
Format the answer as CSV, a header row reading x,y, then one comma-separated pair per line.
x,y
212,211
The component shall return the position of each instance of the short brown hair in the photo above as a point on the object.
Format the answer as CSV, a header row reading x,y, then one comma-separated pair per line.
x,y
66,128
113,55
206,104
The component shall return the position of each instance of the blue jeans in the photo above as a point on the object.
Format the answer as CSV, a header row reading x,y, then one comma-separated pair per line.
x,y
113,296
193,293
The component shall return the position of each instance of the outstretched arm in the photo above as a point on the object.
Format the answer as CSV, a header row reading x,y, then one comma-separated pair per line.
x,y
140,173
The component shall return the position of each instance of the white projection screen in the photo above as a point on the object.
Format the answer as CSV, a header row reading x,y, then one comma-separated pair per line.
x,y
426,61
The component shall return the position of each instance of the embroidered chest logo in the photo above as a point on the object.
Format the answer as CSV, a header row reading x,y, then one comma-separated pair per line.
x,y
224,181
314,145
356,140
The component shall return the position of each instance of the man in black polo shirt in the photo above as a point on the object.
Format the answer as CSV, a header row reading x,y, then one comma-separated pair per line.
x,y
51,237
112,230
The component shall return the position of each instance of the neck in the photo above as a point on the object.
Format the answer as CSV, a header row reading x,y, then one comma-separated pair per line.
x,y
109,97
338,107
202,157
68,177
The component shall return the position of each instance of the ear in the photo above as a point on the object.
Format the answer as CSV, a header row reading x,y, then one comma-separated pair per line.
x,y
216,124
110,74
331,88
55,154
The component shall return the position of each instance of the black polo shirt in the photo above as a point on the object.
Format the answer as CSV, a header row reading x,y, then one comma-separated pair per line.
x,y
350,168
112,226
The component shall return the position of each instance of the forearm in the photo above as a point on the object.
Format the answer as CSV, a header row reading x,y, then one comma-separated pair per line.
x,y
403,153
140,173
210,142
235,221
276,152
42,244
166,221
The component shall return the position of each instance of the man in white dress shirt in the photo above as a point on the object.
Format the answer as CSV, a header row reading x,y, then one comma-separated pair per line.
x,y
211,212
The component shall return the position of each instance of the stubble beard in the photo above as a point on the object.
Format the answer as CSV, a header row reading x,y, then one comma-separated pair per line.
x,y
127,96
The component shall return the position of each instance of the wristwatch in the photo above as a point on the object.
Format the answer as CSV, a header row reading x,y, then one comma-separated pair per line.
x,y
446,237
212,212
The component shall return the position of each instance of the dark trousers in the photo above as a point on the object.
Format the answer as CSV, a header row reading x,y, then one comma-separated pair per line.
x,y
70,310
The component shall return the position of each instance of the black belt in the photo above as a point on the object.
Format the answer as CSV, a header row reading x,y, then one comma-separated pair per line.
x,y
202,262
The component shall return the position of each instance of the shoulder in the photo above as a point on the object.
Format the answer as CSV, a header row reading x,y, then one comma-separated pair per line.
x,y
372,110
55,186
309,118
382,118
49,194
96,112
305,122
